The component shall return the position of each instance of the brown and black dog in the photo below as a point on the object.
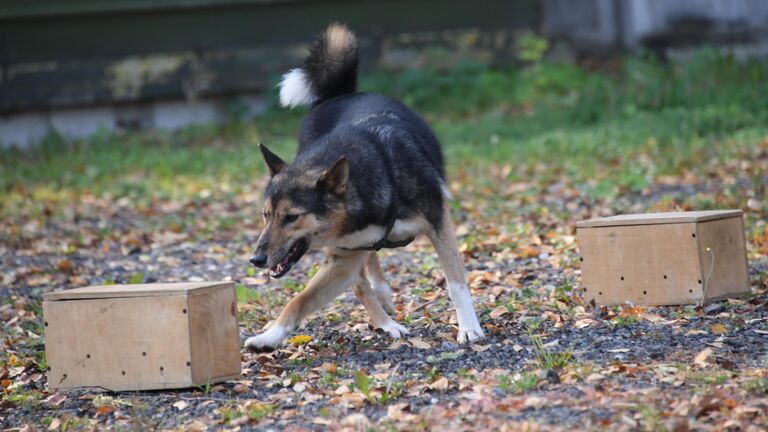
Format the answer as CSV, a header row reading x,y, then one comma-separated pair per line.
x,y
368,175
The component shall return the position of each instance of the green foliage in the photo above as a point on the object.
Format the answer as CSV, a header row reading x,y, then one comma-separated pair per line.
x,y
313,271
246,295
523,382
531,48
546,359
613,132
136,279
758,385
362,381
625,320
292,285
258,411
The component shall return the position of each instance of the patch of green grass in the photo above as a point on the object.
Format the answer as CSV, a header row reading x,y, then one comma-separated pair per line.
x,y
757,385
465,374
300,362
610,132
545,358
520,383
29,399
293,286
432,373
709,377
246,295
259,411
625,320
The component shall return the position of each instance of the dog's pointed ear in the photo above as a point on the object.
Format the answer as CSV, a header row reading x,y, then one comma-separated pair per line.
x,y
334,179
273,161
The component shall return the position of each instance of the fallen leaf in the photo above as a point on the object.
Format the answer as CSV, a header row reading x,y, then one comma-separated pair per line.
x,y
498,312
718,328
64,266
701,358
55,399
299,340
419,343
55,424
181,405
441,384
105,409
535,402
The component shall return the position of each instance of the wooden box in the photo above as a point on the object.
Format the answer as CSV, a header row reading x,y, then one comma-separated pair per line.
x,y
664,258
141,337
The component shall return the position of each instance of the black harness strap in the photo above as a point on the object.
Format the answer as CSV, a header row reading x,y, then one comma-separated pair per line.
x,y
384,242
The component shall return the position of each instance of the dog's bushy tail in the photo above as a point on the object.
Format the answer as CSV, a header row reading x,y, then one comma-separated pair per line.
x,y
330,70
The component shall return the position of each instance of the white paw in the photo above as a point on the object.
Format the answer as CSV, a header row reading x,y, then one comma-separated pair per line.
x,y
269,339
394,329
467,334
469,326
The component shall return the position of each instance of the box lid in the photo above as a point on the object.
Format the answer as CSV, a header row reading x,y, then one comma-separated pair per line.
x,y
133,290
659,218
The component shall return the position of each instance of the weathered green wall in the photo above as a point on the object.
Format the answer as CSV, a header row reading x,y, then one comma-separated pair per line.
x,y
78,53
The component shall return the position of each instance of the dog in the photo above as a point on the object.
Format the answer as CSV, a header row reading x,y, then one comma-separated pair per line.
x,y
368,174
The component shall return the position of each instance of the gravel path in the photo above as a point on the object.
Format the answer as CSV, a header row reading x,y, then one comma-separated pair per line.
x,y
549,360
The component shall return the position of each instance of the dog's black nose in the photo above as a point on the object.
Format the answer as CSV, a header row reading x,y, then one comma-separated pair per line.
x,y
259,260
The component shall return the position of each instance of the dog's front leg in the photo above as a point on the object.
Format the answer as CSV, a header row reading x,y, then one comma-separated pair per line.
x,y
336,275
448,254
380,286
379,318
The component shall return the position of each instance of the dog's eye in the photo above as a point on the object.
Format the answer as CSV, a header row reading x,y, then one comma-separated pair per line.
x,y
291,218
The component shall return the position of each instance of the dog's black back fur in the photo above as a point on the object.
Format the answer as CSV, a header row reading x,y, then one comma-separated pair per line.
x,y
395,161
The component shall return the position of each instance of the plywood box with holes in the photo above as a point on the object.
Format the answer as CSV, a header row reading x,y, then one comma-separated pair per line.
x,y
142,337
663,258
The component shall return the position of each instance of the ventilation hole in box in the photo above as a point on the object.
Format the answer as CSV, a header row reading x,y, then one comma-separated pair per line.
x,y
144,353
87,356
622,278
123,372
189,363
63,377
46,323
693,235
581,259
645,292
665,276
699,281
162,369
600,293
690,291
48,368
184,311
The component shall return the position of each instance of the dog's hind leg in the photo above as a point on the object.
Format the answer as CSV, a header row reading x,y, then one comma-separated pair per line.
x,y
379,318
380,286
444,241
336,275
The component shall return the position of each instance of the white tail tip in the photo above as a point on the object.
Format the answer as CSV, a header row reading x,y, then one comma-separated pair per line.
x,y
295,89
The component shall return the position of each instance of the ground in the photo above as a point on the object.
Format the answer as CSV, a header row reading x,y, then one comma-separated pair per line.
x,y
565,143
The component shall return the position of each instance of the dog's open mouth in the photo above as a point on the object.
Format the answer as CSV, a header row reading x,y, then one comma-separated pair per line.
x,y
298,249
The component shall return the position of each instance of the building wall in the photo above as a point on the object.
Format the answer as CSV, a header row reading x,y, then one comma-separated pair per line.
x,y
600,25
76,66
